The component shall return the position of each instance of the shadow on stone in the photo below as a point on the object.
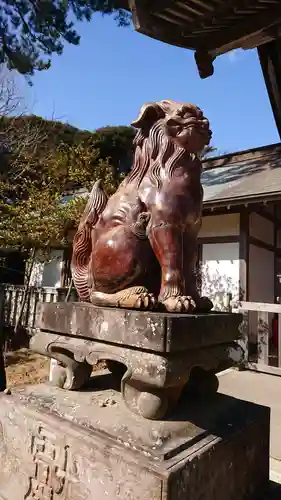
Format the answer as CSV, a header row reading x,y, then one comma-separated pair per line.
x,y
215,414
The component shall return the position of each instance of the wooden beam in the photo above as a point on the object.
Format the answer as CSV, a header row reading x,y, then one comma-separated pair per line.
x,y
275,254
262,368
249,200
211,240
160,5
204,62
191,10
203,3
183,17
182,33
209,212
244,255
279,341
270,60
258,39
228,38
261,244
160,29
140,17
259,307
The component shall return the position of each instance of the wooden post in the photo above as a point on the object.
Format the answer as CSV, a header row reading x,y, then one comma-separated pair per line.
x,y
244,276
3,381
2,340
263,337
270,60
279,340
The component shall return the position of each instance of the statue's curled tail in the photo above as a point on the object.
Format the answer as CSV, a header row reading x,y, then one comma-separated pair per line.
x,y
82,245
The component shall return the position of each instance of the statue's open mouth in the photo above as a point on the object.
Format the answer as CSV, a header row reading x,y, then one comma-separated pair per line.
x,y
198,129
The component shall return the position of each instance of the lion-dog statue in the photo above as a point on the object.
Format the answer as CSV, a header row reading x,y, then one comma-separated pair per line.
x,y
138,248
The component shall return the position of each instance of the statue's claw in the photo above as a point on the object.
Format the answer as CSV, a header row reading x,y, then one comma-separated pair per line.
x,y
186,304
146,301
182,303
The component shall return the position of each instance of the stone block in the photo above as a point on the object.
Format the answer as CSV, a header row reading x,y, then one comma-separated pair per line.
x,y
161,354
155,331
86,445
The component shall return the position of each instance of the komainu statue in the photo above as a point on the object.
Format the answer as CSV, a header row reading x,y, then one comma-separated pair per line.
x,y
138,248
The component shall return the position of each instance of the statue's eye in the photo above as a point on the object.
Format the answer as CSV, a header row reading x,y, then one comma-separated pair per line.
x,y
171,122
187,112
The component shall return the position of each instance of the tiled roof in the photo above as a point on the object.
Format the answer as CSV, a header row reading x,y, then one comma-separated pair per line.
x,y
243,177
253,175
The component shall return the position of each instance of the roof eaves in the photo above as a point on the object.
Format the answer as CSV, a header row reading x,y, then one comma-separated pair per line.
x,y
254,154
237,200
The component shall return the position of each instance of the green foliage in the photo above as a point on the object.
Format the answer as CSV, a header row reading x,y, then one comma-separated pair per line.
x,y
41,164
39,170
115,143
33,30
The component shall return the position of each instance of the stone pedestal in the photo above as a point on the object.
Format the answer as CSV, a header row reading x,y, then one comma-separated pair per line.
x,y
66,445
58,445
159,355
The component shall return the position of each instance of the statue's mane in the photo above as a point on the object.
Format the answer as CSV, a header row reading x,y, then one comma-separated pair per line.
x,y
154,151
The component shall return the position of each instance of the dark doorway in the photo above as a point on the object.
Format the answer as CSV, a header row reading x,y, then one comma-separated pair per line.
x,y
12,267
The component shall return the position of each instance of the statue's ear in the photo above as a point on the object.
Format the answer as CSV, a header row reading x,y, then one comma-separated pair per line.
x,y
148,115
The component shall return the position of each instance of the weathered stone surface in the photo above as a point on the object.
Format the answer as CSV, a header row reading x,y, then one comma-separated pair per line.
x,y
157,351
83,446
164,332
151,382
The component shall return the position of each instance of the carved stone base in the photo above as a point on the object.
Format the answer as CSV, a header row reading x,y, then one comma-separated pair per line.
x,y
86,445
155,355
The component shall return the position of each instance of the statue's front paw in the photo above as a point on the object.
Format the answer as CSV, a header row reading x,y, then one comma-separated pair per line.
x,y
181,304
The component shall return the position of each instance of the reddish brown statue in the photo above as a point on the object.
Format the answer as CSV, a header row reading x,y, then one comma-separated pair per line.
x,y
138,248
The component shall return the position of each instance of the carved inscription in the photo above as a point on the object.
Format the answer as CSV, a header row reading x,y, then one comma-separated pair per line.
x,y
50,479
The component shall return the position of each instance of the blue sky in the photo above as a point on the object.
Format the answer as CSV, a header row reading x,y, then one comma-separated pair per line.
x,y
114,71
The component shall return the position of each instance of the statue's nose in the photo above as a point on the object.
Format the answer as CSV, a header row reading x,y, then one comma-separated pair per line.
x,y
205,123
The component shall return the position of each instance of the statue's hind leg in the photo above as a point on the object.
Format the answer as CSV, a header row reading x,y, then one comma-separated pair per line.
x,y
135,297
121,266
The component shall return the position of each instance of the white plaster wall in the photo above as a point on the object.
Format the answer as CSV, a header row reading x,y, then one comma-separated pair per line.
x,y
261,275
47,271
262,229
220,225
52,270
220,271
